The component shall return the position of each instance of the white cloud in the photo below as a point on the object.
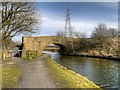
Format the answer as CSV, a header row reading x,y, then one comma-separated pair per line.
x,y
51,23
83,26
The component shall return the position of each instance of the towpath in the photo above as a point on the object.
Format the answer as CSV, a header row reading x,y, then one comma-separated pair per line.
x,y
35,75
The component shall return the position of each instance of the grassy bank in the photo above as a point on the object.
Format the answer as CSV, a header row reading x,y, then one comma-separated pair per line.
x,y
65,78
10,76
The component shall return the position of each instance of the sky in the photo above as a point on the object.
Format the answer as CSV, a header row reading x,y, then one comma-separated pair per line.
x,y
85,16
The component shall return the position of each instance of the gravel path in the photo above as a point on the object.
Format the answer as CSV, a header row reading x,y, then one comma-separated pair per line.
x,y
35,75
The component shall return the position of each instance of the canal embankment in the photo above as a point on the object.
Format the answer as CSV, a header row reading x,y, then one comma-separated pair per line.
x,y
99,56
108,50
94,56
65,78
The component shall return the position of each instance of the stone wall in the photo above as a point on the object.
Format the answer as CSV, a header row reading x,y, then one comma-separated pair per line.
x,y
39,43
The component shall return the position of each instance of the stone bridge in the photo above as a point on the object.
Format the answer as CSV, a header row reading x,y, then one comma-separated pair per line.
x,y
39,43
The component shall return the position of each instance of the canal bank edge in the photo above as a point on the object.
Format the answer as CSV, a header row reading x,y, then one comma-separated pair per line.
x,y
65,78
94,56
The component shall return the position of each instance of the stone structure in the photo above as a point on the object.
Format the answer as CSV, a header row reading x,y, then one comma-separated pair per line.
x,y
37,44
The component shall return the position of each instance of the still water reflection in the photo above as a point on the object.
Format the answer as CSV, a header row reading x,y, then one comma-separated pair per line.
x,y
103,72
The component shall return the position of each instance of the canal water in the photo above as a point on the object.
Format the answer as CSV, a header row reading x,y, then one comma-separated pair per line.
x,y
105,73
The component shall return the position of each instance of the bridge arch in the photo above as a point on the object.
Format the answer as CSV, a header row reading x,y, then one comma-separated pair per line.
x,y
62,48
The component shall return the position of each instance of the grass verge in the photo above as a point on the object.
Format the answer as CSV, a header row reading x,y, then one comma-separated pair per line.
x,y
65,78
10,76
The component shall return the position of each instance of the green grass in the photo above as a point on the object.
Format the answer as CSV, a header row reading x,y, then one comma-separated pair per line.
x,y
65,78
10,76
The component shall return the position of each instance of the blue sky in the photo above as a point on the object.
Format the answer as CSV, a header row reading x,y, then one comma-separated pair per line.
x,y
84,16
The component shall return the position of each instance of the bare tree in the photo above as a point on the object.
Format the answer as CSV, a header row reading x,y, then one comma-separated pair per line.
x,y
18,18
112,32
100,34
60,34
103,37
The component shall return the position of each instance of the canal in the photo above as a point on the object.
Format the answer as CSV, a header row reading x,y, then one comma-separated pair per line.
x,y
105,73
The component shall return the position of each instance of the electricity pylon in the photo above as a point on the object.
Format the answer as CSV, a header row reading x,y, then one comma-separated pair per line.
x,y
68,23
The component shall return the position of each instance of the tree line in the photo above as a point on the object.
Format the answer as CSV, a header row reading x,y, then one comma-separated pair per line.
x,y
100,39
